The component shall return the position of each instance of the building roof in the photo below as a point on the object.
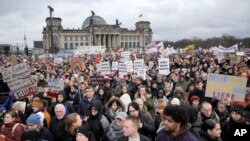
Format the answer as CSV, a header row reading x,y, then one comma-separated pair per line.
x,y
96,19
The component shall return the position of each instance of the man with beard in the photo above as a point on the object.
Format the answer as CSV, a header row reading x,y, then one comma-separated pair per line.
x,y
175,119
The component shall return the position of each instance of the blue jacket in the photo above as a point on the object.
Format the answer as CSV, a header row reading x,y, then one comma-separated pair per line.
x,y
84,106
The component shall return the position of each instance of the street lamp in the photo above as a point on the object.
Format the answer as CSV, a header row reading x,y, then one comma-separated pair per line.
x,y
51,30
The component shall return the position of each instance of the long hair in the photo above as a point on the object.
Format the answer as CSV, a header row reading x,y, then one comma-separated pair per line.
x,y
69,121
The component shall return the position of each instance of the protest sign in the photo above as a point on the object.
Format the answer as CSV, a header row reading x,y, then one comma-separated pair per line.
x,y
163,66
55,85
22,93
138,64
89,50
105,67
129,65
122,69
114,66
96,80
77,64
58,60
226,87
125,56
141,73
240,53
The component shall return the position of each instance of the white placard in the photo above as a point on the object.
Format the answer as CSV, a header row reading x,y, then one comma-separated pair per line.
x,y
90,50
164,66
129,65
114,66
125,56
240,53
55,85
105,67
122,69
142,73
138,64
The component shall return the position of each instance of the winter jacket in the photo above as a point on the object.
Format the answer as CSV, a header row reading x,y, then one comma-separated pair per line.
x,y
148,124
115,132
142,138
184,135
84,106
109,112
18,131
45,134
57,127
204,136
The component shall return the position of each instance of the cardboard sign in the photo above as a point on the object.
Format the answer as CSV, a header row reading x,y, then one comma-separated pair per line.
x,y
226,87
164,66
77,64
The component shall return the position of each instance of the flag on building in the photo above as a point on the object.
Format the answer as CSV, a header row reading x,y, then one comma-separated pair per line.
x,y
140,16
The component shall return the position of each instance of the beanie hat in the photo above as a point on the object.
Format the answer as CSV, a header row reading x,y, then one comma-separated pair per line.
x,y
194,98
85,130
33,119
178,90
37,103
31,135
175,101
121,115
238,109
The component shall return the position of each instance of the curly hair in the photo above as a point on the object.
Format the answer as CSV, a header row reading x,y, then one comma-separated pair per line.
x,y
178,114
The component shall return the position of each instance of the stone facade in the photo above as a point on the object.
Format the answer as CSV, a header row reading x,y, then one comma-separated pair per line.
x,y
110,36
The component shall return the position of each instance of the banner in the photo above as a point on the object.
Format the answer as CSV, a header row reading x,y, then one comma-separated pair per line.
x,y
240,53
81,50
164,67
77,64
226,87
189,48
96,80
151,48
22,93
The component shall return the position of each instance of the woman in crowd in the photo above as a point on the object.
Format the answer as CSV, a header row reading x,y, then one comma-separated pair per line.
x,y
113,107
210,131
12,130
146,97
72,122
125,97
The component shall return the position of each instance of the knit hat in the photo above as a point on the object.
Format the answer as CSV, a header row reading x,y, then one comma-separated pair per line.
x,y
121,115
31,135
37,103
238,109
194,98
33,119
178,90
175,101
85,131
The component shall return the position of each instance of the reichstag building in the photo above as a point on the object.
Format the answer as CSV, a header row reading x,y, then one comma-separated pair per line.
x,y
95,31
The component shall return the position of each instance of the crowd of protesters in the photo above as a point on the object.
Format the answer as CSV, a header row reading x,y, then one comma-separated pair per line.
x,y
170,107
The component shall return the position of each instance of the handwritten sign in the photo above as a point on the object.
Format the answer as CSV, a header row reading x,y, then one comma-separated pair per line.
x,y
226,87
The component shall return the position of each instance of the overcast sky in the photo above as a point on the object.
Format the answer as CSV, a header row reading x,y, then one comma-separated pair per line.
x,y
170,19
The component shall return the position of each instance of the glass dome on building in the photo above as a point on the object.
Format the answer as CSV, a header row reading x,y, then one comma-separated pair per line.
x,y
97,21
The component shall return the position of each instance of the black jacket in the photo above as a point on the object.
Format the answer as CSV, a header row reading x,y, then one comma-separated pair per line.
x,y
142,138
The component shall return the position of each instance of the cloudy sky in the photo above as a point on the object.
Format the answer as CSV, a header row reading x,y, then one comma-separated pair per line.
x,y
170,19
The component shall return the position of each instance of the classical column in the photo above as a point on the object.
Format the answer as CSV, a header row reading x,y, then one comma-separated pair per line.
x,y
99,39
109,40
115,41
104,40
